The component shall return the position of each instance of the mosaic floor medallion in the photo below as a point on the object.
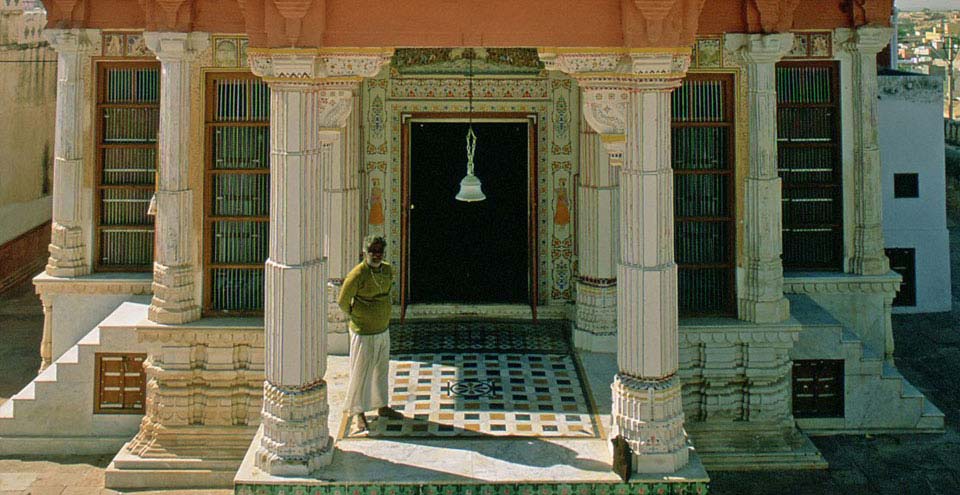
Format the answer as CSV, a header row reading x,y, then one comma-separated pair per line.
x,y
506,380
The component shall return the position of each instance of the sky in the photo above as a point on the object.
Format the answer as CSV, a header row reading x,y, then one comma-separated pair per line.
x,y
928,4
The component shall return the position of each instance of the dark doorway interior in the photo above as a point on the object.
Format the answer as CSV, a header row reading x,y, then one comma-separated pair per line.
x,y
468,252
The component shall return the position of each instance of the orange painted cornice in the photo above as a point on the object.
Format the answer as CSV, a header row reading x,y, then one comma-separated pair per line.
x,y
448,23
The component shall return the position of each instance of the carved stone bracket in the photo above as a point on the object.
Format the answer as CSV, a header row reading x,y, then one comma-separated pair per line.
x,y
607,77
758,48
771,15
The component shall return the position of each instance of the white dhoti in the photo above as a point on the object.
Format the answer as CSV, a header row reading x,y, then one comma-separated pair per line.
x,y
369,365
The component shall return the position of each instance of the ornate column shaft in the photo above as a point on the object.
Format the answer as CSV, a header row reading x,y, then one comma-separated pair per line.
x,y
311,99
173,271
597,235
342,199
760,297
862,45
68,250
632,89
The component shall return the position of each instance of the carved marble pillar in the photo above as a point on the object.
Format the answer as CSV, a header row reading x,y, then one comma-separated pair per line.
x,y
862,46
634,87
68,241
597,237
342,199
760,298
173,271
311,99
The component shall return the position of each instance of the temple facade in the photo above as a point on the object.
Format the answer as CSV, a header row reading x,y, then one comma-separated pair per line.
x,y
690,192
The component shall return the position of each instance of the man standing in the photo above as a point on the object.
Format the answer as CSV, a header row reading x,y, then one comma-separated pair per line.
x,y
365,297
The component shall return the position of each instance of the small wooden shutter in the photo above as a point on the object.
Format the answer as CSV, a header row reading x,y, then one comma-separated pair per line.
x,y
903,261
121,383
818,388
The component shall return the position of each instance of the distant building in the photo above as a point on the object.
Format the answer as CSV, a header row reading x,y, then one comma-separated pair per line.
x,y
28,70
914,214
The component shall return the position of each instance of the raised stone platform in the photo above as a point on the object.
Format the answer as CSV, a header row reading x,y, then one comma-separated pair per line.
x,y
481,464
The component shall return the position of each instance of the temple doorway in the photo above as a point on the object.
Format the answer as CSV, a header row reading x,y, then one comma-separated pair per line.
x,y
469,253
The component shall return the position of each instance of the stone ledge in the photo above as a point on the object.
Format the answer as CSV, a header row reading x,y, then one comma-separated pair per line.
x,y
205,330
734,331
97,283
840,283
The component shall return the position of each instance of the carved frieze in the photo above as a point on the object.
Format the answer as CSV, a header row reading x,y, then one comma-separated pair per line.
x,y
141,284
483,89
843,284
461,61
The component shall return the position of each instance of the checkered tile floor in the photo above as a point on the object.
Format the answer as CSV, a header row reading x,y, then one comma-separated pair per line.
x,y
546,337
485,394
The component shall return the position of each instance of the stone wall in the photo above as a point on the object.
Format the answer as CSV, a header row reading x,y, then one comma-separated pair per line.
x,y
28,99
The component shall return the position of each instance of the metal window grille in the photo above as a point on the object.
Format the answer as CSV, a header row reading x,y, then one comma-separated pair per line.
x,y
120,383
702,158
128,119
237,201
808,148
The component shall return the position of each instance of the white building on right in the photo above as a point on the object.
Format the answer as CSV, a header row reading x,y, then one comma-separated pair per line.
x,y
910,114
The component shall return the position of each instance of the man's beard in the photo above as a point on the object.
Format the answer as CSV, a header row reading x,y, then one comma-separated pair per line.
x,y
374,264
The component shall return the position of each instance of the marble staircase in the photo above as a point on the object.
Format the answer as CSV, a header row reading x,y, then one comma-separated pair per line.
x,y
877,398
54,414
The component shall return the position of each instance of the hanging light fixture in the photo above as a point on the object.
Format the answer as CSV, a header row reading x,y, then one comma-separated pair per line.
x,y
470,185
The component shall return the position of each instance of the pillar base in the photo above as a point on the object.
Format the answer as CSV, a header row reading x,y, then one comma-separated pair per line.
x,y
278,466
295,437
173,301
596,321
669,462
66,252
764,311
648,414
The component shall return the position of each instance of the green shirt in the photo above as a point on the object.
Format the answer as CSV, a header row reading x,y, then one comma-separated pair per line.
x,y
365,296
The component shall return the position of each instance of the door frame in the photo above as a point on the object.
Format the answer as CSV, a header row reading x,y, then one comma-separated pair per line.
x,y
533,258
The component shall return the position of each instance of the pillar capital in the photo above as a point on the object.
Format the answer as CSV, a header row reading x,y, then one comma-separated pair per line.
x,y
607,76
867,40
79,41
172,46
758,48
621,68
324,66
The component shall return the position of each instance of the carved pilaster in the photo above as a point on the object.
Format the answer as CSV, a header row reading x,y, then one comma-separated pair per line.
x,y
341,193
648,410
173,272
760,298
862,46
75,47
311,100
598,235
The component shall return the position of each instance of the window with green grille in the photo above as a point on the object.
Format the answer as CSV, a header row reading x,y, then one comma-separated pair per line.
x,y
809,162
128,119
702,159
237,186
